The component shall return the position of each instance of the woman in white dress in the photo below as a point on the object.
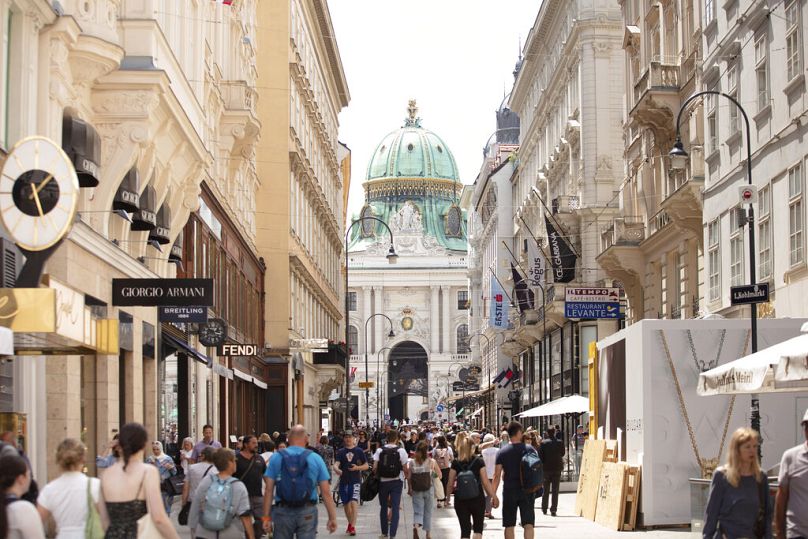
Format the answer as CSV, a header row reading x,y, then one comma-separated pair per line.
x,y
18,518
186,454
65,498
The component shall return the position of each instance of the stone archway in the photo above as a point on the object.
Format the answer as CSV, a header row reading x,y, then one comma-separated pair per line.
x,y
408,368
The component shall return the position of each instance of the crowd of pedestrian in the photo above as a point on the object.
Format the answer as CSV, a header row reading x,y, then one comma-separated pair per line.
x,y
273,484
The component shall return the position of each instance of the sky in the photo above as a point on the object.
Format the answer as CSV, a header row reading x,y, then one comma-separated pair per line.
x,y
455,57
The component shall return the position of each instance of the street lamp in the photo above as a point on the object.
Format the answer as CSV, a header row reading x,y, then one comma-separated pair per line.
x,y
392,258
367,389
378,382
678,157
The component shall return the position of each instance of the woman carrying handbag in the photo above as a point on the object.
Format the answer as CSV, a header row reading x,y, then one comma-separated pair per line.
x,y
142,516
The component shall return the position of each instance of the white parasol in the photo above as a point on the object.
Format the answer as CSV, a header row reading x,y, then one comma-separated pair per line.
x,y
573,404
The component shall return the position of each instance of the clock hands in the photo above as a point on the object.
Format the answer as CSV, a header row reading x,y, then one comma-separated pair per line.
x,y
35,190
38,203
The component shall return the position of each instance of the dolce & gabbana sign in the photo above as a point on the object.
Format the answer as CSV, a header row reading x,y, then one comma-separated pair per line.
x,y
156,292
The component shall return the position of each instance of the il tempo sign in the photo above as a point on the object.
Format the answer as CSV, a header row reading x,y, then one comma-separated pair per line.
x,y
229,350
157,292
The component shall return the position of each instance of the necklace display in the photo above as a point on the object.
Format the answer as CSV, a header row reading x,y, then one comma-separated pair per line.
x,y
707,466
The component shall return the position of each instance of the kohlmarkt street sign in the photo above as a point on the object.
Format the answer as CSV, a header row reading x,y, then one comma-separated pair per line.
x,y
749,293
592,302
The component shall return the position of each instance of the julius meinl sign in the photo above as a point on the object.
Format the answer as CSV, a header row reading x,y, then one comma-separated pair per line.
x,y
157,292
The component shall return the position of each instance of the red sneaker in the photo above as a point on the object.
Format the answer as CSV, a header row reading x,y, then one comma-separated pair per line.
x,y
351,530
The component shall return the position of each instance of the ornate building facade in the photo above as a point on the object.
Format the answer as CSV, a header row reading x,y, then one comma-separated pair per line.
x,y
157,137
412,184
300,201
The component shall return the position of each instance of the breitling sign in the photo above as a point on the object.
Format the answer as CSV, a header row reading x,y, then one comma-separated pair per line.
x,y
156,292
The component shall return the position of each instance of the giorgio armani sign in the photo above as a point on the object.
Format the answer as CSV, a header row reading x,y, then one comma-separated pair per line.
x,y
155,292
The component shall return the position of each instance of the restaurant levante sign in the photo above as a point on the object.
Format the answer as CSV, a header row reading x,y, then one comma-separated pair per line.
x,y
156,292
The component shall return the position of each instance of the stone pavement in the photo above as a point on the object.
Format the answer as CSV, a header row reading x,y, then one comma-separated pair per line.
x,y
444,524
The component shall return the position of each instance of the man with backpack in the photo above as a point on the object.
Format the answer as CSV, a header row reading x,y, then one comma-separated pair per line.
x,y
296,472
551,453
522,470
218,500
250,467
390,465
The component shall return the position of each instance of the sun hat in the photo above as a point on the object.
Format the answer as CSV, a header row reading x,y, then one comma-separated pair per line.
x,y
488,438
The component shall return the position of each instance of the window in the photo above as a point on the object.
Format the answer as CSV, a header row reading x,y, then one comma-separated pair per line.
x,y
462,300
795,215
762,70
12,100
709,11
714,259
735,249
353,340
732,91
463,345
712,122
351,301
793,59
765,233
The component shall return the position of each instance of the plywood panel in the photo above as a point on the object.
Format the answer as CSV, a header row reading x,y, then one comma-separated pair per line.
x,y
611,500
589,479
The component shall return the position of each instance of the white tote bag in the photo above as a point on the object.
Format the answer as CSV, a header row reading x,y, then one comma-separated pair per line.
x,y
145,525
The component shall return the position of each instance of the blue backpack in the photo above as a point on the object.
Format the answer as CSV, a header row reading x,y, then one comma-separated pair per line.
x,y
218,512
531,473
295,486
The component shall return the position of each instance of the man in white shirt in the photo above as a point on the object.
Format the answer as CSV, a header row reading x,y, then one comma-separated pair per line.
x,y
791,508
390,465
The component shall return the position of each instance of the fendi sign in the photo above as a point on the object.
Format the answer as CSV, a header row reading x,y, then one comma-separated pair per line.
x,y
229,350
156,292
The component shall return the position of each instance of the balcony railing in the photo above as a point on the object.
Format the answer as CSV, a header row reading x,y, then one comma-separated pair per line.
x,y
659,221
626,230
662,74
335,356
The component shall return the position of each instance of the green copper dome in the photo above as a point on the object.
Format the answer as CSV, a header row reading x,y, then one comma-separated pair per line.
x,y
412,152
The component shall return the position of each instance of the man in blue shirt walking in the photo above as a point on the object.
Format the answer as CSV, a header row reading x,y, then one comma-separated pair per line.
x,y
291,518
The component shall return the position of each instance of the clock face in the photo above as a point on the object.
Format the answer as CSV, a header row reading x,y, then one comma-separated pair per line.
x,y
406,323
213,332
38,193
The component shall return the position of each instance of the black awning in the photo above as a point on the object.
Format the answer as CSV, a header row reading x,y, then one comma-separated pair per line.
x,y
163,228
145,218
176,250
127,198
81,143
185,348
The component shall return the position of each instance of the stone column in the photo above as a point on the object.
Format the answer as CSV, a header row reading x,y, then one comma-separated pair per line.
x,y
435,319
366,312
381,325
447,329
63,383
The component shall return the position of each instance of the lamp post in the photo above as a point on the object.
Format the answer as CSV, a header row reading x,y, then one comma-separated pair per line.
x,y
392,258
678,157
488,345
367,389
462,388
378,384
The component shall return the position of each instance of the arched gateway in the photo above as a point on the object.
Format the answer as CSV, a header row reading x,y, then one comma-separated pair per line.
x,y
407,382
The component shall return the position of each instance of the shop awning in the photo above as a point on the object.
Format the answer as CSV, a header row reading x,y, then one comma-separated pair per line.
x,y
243,375
146,218
184,347
81,143
778,368
259,383
127,197
222,371
573,404
477,412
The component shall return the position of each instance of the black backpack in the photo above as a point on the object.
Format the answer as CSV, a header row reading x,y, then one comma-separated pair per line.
x,y
389,463
468,486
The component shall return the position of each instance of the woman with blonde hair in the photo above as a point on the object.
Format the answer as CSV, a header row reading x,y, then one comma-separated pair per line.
x,y
738,505
66,497
186,454
419,486
468,469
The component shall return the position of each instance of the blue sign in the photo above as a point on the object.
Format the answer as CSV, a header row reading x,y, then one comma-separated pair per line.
x,y
592,309
440,408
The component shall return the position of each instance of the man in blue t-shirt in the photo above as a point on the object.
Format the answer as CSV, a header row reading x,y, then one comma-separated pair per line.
x,y
296,521
514,497
349,464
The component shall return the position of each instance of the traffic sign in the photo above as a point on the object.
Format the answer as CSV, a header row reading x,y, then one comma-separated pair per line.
x,y
592,302
365,385
440,407
749,293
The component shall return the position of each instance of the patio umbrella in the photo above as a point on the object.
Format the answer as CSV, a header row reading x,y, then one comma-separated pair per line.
x,y
573,404
779,368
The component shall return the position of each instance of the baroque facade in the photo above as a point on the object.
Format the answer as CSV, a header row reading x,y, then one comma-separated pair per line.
x,y
300,225
153,133
408,328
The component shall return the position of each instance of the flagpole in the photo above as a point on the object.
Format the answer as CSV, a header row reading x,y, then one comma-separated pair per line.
x,y
543,316
532,235
501,285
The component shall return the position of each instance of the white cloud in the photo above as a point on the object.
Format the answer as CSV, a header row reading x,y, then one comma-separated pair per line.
x,y
456,57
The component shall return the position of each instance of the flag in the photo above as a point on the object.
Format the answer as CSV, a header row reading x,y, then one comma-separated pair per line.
x,y
353,374
507,378
536,264
514,376
562,256
224,2
524,295
498,315
499,377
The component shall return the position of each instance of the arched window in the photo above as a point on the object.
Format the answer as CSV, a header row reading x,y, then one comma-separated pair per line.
x,y
353,340
463,346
